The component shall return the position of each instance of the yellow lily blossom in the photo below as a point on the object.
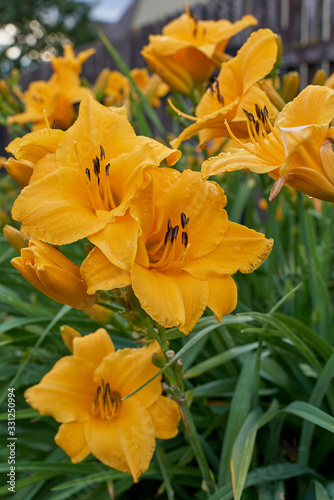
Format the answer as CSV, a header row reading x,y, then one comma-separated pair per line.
x,y
186,254
117,89
152,86
28,151
84,392
296,152
52,101
234,89
100,166
53,274
188,50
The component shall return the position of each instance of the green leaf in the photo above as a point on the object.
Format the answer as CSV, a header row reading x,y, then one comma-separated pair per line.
x,y
219,359
312,414
239,410
320,492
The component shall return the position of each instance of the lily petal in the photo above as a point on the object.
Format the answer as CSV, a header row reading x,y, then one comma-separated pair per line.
x,y
63,213
171,300
100,274
223,296
71,438
65,392
93,347
131,434
165,415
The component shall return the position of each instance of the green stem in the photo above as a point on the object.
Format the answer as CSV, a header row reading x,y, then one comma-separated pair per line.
x,y
207,474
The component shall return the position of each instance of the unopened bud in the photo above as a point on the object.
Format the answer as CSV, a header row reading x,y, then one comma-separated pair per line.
x,y
68,334
179,362
272,94
319,78
15,238
164,386
158,360
170,354
290,85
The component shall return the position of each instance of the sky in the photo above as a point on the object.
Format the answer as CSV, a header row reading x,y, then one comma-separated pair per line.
x,y
109,10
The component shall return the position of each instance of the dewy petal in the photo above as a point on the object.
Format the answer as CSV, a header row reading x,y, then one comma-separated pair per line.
x,y
242,249
118,241
93,347
223,296
44,167
57,209
170,299
100,274
71,438
302,145
313,106
34,146
65,392
327,158
96,125
165,415
310,182
127,443
236,159
162,152
128,369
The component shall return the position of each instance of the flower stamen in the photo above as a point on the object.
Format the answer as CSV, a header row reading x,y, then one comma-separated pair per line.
x,y
106,403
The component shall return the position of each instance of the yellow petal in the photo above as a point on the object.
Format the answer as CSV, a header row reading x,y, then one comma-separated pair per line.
x,y
165,415
127,369
100,274
63,213
162,152
71,438
44,167
65,392
223,296
314,105
127,443
242,249
170,299
118,241
34,146
93,347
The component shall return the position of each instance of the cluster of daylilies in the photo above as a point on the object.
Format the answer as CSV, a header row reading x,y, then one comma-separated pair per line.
x,y
158,238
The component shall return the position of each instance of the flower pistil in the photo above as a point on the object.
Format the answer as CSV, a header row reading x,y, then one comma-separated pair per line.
x,y
106,403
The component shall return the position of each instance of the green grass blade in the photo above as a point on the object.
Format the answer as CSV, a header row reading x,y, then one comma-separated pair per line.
x,y
312,414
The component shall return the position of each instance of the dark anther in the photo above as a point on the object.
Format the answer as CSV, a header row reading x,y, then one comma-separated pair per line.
x,y
183,220
55,126
88,173
195,30
168,235
107,388
98,392
265,112
174,233
246,113
257,127
96,163
107,169
102,153
251,117
258,111
219,96
184,238
169,225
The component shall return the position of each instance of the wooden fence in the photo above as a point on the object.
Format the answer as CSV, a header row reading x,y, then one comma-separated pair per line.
x,y
306,27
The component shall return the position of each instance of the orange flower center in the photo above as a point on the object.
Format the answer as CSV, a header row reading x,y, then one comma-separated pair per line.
x,y
106,403
99,186
171,251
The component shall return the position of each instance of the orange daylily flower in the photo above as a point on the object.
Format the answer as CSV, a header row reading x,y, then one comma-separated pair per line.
x,y
99,167
84,392
53,101
152,86
53,274
189,49
117,89
235,89
186,254
28,151
298,150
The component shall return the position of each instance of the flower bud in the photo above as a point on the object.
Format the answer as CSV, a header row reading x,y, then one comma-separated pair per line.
x,y
53,274
290,86
15,238
67,334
